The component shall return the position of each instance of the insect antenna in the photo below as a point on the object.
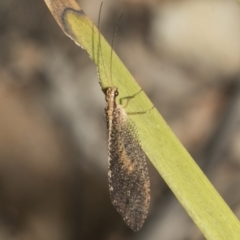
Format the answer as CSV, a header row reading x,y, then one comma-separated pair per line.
x,y
113,39
99,46
100,55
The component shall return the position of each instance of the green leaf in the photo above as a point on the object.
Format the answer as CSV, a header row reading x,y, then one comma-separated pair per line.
x,y
194,191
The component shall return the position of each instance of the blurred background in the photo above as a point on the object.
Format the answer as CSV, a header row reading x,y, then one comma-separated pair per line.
x,y
53,140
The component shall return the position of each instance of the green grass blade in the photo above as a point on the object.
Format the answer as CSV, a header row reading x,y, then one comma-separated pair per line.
x,y
194,191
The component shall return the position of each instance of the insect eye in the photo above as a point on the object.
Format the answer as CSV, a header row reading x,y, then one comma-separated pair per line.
x,y
116,93
105,90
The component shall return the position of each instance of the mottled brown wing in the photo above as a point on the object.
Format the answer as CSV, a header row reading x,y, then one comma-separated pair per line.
x,y
128,176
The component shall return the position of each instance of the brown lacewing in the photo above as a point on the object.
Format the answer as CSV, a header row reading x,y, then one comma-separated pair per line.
x,y
128,179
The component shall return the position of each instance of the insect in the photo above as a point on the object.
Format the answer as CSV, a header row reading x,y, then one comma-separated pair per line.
x,y
128,179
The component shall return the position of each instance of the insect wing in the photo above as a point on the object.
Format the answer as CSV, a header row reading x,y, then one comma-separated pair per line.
x,y
128,176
